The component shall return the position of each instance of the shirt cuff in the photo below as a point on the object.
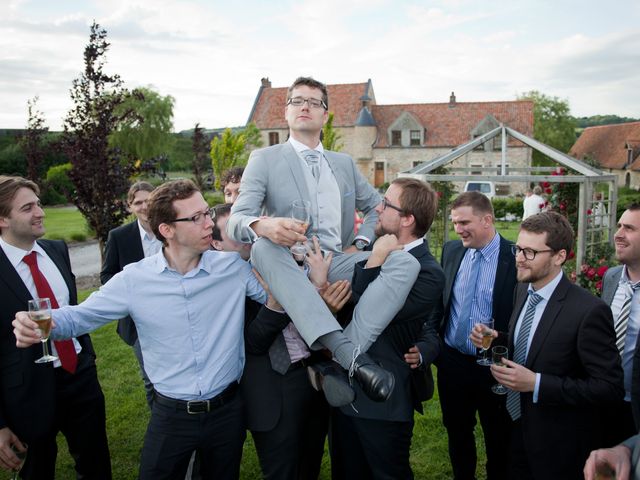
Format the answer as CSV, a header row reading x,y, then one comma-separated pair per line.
x,y
536,389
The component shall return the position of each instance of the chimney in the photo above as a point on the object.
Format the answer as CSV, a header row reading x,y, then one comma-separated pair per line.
x,y
452,100
265,82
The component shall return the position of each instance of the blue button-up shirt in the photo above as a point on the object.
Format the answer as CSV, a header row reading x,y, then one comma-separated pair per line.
x,y
190,326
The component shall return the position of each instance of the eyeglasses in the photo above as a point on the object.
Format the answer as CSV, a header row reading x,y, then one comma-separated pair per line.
x,y
386,204
529,253
312,102
198,218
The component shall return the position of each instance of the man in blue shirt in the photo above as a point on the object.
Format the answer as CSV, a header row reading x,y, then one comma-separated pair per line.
x,y
188,306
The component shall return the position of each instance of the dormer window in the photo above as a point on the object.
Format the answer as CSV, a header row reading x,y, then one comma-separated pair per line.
x,y
396,138
406,131
414,138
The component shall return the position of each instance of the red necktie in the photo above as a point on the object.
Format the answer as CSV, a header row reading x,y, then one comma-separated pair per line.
x,y
66,350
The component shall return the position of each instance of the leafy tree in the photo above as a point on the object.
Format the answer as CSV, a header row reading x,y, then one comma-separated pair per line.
x,y
232,149
201,164
553,124
99,175
33,140
145,131
330,136
13,160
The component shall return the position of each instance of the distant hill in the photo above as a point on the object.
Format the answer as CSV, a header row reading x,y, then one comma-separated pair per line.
x,y
595,120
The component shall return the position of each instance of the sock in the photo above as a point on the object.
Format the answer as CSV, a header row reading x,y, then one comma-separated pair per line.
x,y
341,347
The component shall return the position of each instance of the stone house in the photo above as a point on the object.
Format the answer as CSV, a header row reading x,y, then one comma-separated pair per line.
x,y
387,139
614,148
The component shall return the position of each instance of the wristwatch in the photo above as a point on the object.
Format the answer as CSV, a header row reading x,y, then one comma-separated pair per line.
x,y
361,244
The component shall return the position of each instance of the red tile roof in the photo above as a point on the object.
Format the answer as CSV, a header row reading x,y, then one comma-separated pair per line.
x,y
449,126
608,145
445,126
344,102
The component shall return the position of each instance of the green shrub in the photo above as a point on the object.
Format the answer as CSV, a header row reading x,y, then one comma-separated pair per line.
x,y
625,197
58,185
504,206
78,237
214,198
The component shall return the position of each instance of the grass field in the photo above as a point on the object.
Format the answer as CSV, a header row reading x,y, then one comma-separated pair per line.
x,y
66,223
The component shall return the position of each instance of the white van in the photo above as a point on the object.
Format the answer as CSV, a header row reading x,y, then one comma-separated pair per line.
x,y
485,187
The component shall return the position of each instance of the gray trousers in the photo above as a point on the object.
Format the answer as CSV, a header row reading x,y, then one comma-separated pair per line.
x,y
382,300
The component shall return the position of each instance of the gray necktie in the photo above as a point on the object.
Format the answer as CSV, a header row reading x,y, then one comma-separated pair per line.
x,y
312,158
279,355
520,352
623,317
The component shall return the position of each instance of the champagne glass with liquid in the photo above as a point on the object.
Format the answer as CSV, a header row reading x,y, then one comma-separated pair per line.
x,y
487,337
498,353
40,312
301,213
22,456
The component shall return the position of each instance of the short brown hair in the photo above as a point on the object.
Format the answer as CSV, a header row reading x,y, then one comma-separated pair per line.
x,y
161,209
231,175
556,226
219,211
420,200
138,187
9,186
311,83
477,201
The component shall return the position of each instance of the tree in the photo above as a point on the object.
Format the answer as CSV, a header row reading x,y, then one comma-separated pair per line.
x,y
552,124
145,131
33,140
330,136
201,163
100,177
232,149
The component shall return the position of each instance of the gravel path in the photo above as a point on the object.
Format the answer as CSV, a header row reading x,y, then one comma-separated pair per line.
x,y
86,263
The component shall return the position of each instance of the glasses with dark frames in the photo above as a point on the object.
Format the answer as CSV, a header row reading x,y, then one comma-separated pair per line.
x,y
198,218
312,102
529,253
385,204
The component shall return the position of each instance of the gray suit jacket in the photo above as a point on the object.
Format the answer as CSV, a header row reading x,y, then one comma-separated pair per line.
x,y
274,178
609,287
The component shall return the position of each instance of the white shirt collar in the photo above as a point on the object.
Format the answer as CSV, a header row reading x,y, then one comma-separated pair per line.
x,y
414,244
300,147
16,254
144,235
546,291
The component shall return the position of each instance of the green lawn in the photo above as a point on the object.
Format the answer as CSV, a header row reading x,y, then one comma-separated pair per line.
x,y
66,223
127,416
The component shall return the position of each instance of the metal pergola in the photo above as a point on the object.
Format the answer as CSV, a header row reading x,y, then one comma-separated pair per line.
x,y
587,177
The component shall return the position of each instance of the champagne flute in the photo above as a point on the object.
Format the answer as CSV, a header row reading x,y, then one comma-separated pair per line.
x,y
301,213
487,338
22,456
498,354
40,312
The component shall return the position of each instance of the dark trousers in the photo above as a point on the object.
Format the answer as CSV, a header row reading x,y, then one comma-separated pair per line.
x,y
173,434
293,449
80,416
365,449
465,388
617,423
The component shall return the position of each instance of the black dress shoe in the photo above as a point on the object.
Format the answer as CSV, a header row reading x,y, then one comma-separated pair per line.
x,y
333,381
376,382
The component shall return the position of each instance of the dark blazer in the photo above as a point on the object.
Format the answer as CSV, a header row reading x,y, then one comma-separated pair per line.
x,y
28,390
412,385
573,348
505,282
123,247
609,287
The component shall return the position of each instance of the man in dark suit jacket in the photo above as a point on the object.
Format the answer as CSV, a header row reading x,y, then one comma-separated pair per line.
x,y
39,400
287,418
464,386
128,244
566,367
620,287
372,439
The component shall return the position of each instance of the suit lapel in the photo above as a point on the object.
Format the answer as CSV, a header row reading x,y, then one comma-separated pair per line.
x,y
136,241
521,298
56,256
293,162
453,265
505,257
549,316
611,285
12,280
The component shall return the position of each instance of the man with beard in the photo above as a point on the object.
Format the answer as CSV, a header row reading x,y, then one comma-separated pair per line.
x,y
371,439
565,366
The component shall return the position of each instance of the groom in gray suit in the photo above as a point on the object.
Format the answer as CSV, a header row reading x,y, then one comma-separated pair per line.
x,y
301,169
620,291
621,462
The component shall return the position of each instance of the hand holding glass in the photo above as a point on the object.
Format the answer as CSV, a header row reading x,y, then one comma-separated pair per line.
x,y
498,354
301,213
40,312
487,337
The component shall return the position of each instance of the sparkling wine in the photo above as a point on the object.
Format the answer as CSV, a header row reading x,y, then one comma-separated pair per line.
x,y
43,319
487,338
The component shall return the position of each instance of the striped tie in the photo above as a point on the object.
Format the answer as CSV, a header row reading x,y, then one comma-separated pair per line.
x,y
520,352
623,317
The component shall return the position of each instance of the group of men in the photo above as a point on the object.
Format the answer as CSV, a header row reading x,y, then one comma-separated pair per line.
x,y
223,350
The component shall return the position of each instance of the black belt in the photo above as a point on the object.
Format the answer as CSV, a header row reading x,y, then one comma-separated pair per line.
x,y
304,362
198,406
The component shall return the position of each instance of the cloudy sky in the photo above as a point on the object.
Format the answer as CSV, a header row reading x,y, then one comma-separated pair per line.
x,y
210,55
